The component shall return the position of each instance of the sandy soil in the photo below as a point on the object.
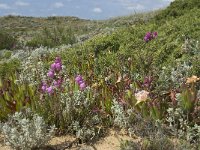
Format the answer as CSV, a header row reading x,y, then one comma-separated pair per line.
x,y
2,147
110,142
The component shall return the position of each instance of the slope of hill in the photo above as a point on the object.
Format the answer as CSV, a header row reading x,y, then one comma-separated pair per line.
x,y
30,29
26,28
138,73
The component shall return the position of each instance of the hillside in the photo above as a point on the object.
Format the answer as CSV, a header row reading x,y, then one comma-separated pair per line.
x,y
138,75
26,29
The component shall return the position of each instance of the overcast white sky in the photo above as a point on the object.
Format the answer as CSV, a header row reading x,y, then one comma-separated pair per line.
x,y
87,9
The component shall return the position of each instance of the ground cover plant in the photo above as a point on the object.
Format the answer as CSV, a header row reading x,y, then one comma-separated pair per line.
x,y
143,78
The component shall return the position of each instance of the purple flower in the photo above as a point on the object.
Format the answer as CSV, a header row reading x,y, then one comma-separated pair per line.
x,y
148,36
58,66
82,86
57,83
50,90
53,66
44,83
44,88
146,39
50,74
155,34
80,82
79,79
147,81
58,60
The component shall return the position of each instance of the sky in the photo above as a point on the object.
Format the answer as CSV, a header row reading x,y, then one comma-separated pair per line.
x,y
85,9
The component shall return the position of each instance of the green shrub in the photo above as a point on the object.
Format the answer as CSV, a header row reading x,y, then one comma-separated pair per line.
x,y
178,8
8,68
7,41
157,143
53,37
7,54
15,96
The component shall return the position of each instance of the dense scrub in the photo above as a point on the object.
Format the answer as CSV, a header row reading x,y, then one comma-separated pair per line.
x,y
7,41
178,8
143,78
53,37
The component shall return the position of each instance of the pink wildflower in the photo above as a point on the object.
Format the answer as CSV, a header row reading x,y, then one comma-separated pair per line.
x,y
53,66
82,86
141,96
58,60
79,79
57,83
58,66
50,74
50,90
155,34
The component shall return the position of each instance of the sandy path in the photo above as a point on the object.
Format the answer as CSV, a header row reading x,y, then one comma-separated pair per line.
x,y
110,142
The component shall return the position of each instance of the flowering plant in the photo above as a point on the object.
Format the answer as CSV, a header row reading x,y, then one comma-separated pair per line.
x,y
79,80
150,35
141,96
55,78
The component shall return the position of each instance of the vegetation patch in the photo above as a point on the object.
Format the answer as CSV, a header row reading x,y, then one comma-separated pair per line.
x,y
141,77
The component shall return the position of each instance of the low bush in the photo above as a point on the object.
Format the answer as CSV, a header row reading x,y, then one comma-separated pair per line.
x,y
7,41
53,37
26,130
9,68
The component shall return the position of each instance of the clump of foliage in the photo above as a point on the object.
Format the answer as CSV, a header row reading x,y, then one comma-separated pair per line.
x,y
68,103
53,37
26,130
7,41
156,143
15,96
8,68
178,8
183,118
143,78
6,54
129,145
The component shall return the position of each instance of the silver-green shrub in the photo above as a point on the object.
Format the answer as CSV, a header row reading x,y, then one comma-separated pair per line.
x,y
120,116
180,73
180,125
78,116
25,130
